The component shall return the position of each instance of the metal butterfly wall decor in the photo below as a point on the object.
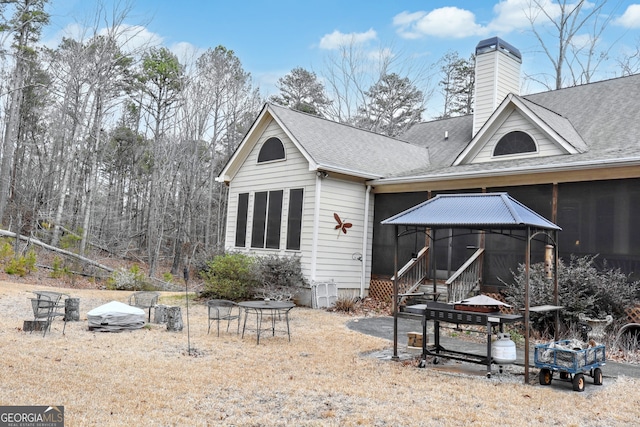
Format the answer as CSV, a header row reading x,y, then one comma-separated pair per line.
x,y
341,225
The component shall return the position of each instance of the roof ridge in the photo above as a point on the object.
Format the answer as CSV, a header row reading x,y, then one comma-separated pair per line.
x,y
637,75
313,116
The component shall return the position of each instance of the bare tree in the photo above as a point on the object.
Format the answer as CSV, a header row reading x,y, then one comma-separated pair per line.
x,y
457,83
90,77
26,24
590,53
352,71
564,19
629,62
161,79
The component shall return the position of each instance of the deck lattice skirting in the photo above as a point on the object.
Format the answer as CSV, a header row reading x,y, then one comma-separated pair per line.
x,y
633,314
381,289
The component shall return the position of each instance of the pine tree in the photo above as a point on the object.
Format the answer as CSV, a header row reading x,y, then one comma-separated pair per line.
x,y
300,90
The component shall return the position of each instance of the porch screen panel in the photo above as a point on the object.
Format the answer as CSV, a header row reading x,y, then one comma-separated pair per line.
x,y
241,220
294,218
600,218
259,219
504,254
274,219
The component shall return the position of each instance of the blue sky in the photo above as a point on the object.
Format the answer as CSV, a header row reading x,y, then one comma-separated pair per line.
x,y
272,37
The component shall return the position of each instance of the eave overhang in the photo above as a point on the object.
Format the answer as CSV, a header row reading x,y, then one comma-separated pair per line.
x,y
574,172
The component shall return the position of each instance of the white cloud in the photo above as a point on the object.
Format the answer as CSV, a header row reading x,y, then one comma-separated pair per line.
x,y
72,31
512,15
453,22
630,18
133,38
380,54
581,41
443,22
337,39
186,53
406,18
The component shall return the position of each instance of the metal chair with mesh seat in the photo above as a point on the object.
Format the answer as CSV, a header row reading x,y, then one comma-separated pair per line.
x,y
220,310
145,300
44,309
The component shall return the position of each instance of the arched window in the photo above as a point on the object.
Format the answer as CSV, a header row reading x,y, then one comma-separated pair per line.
x,y
515,143
272,149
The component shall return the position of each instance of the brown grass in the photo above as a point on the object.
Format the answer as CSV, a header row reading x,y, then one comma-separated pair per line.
x,y
322,377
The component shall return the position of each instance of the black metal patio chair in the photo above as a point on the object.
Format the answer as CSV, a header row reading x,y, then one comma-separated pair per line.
x,y
220,310
44,309
145,300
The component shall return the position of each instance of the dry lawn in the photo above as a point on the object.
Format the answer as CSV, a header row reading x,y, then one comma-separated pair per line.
x,y
322,377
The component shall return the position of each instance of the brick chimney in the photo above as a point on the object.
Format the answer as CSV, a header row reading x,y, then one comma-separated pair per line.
x,y
497,75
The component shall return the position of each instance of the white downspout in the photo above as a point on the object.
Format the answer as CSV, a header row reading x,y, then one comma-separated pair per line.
x,y
365,241
316,228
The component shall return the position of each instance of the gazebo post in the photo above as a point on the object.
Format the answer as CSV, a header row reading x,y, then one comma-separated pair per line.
x,y
432,250
527,257
395,297
556,299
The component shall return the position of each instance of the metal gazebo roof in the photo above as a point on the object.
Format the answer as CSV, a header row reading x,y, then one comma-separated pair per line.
x,y
477,211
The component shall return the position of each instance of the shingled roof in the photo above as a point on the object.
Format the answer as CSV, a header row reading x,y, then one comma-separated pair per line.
x,y
599,119
339,147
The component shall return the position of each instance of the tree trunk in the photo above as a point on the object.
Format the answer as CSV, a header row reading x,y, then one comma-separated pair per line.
x,y
51,248
174,319
10,136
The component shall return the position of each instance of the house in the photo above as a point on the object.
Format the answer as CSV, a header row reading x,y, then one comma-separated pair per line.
x,y
572,155
298,186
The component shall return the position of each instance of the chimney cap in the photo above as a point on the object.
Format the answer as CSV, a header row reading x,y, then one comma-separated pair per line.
x,y
496,43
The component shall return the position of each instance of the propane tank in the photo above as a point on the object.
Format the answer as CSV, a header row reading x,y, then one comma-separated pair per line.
x,y
503,349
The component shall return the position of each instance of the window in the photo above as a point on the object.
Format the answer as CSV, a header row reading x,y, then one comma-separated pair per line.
x,y
515,143
272,149
241,220
267,216
259,219
266,225
294,219
274,219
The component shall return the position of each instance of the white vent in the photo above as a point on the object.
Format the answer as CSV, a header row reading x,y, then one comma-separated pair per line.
x,y
323,295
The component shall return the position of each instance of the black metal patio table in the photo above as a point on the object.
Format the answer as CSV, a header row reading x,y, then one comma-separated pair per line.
x,y
275,310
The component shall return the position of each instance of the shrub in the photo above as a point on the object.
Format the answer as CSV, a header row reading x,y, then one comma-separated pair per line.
x,y
278,278
59,269
228,276
21,265
70,241
582,288
345,304
129,280
6,251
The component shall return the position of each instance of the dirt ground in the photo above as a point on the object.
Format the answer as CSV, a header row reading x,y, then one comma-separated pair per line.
x,y
325,376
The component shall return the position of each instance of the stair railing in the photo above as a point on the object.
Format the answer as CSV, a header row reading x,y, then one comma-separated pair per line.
x,y
466,279
411,275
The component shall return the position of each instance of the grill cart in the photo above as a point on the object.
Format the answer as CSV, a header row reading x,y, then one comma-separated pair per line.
x,y
571,361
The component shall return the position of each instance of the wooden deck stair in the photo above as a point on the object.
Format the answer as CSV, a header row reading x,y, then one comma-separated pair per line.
x,y
465,282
